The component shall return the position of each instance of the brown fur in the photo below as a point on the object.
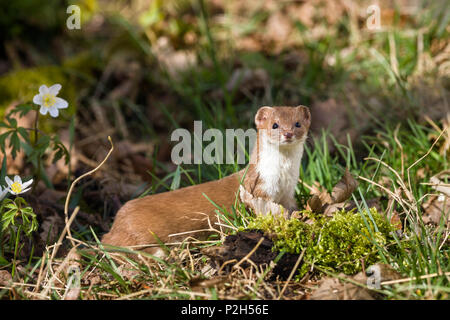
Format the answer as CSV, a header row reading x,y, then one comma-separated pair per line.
x,y
187,210
172,212
285,117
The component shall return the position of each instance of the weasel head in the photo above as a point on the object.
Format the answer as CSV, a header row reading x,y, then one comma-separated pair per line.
x,y
285,127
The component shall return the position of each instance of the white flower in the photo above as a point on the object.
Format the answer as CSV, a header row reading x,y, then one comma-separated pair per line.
x,y
17,187
3,192
48,100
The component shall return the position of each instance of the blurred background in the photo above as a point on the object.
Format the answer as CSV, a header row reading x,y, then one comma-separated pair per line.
x,y
136,70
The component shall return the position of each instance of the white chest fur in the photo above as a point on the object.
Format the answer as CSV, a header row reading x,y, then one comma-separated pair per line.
x,y
278,168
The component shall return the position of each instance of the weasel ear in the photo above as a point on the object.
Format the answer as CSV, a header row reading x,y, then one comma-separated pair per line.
x,y
262,115
305,113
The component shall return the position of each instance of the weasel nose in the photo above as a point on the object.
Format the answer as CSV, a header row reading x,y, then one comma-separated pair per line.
x,y
288,135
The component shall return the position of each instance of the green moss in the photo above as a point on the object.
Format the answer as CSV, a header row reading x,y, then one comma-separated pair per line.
x,y
339,244
83,66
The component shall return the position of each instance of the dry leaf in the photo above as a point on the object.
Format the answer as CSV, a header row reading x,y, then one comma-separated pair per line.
x,y
344,188
440,186
438,204
335,289
322,202
73,293
5,278
395,221
433,209
332,208
314,204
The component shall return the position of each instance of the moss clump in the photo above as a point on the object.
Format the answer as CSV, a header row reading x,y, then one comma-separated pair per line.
x,y
338,244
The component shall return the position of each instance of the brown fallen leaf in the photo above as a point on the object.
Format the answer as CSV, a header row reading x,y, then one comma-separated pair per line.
x,y
5,278
433,209
395,221
440,186
331,209
72,293
437,204
336,289
323,202
344,188
314,204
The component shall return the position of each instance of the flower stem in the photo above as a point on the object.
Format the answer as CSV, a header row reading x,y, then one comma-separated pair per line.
x,y
16,250
36,136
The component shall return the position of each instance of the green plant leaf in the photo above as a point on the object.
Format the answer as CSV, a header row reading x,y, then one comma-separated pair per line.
x,y
24,134
3,170
12,122
15,144
3,261
22,109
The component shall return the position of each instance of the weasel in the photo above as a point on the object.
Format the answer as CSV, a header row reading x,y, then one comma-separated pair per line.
x,y
272,175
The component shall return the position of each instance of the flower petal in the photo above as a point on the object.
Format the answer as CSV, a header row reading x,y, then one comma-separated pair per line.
x,y
43,110
8,181
23,191
27,184
61,103
54,89
37,99
17,179
53,111
3,194
43,89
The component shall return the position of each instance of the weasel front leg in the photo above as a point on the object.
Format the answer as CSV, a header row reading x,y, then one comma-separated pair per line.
x,y
289,203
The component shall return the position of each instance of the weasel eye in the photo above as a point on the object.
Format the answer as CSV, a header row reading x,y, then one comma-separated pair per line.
x,y
297,124
275,125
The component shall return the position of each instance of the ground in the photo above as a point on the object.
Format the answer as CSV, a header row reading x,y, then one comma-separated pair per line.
x,y
135,71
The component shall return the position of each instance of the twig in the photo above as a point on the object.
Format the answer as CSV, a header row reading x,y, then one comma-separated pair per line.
x,y
66,206
426,276
44,293
41,269
292,273
424,156
402,156
250,253
164,290
75,212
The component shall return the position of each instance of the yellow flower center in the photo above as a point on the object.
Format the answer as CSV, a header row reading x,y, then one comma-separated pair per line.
x,y
16,187
48,100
